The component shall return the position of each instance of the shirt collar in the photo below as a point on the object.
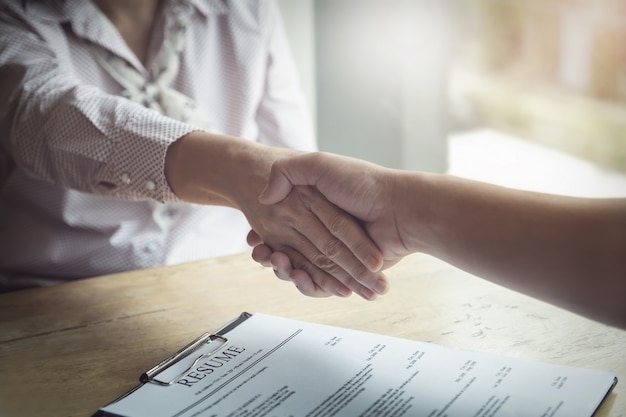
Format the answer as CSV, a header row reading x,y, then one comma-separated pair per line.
x,y
87,21
209,7
46,11
68,10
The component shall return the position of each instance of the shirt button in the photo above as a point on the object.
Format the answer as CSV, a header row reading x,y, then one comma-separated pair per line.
x,y
151,247
150,185
171,212
125,178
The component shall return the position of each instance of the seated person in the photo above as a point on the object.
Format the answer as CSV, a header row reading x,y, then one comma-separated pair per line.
x,y
136,134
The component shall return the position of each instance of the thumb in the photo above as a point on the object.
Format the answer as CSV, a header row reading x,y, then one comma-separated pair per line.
x,y
304,169
277,188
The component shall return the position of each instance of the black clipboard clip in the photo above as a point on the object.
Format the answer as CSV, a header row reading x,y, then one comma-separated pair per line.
x,y
205,339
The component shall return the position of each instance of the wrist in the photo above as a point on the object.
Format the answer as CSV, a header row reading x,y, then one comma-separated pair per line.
x,y
416,213
205,168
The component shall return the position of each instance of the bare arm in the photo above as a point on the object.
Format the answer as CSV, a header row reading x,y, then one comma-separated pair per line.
x,y
565,250
205,168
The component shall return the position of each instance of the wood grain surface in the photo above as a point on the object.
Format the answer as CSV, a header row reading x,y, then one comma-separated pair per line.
x,y
70,349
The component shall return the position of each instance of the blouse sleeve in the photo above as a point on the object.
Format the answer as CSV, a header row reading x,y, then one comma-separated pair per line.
x,y
74,134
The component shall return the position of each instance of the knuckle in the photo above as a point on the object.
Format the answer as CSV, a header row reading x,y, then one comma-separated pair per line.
x,y
334,273
335,250
339,223
323,262
323,272
332,249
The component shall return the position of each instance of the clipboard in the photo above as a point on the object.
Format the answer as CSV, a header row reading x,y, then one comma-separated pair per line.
x,y
273,366
151,375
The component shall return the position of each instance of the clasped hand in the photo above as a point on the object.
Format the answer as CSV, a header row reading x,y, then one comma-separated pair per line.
x,y
329,250
334,252
349,185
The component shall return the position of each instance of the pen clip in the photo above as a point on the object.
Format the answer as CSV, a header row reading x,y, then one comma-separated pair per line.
x,y
205,339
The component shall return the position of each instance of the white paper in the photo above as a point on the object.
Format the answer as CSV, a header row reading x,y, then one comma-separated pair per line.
x,y
279,367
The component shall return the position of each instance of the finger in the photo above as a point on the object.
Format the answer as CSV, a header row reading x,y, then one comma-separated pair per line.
x,y
281,265
306,284
253,238
277,188
262,254
349,231
313,281
331,253
284,270
319,287
325,274
333,260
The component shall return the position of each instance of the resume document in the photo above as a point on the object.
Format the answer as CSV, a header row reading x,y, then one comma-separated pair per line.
x,y
271,366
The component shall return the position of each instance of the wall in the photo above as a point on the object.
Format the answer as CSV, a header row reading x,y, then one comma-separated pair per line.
x,y
379,77
551,72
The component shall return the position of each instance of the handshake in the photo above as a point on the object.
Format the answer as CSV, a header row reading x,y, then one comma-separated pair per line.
x,y
564,250
359,236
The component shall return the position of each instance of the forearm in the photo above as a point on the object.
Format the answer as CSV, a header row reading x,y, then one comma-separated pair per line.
x,y
206,168
213,169
565,250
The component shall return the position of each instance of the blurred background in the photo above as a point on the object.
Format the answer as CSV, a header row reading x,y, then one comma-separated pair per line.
x,y
527,94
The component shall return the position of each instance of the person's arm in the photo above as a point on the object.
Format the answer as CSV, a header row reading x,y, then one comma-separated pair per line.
x,y
73,134
68,132
204,168
565,250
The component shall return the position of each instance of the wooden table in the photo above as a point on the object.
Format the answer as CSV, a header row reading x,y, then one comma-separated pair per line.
x,y
67,350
